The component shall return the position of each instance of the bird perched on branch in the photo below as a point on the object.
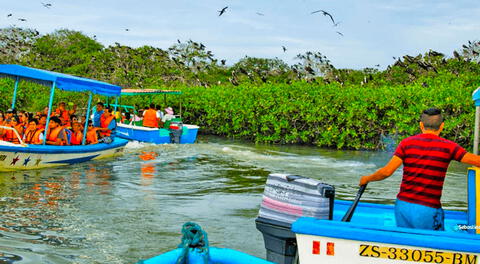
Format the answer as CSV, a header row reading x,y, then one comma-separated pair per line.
x,y
325,13
222,11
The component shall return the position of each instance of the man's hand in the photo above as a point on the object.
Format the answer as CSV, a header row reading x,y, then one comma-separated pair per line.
x,y
364,180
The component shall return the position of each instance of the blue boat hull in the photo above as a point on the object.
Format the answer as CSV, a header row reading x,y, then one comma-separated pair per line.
x,y
155,135
217,256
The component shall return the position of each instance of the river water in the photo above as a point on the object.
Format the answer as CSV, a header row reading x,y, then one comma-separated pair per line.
x,y
132,207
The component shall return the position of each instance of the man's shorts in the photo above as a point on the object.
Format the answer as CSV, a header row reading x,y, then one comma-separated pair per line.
x,y
418,216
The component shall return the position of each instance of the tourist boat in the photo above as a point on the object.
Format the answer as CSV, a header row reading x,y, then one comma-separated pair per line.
x,y
372,237
195,249
28,156
295,229
135,130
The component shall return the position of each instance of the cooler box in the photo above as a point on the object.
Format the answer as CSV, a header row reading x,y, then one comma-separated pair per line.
x,y
285,199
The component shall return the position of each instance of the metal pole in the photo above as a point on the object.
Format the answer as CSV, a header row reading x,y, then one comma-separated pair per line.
x,y
50,104
477,127
86,119
15,93
116,104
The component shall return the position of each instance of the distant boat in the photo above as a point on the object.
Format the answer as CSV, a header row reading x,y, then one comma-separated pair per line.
x,y
174,131
28,156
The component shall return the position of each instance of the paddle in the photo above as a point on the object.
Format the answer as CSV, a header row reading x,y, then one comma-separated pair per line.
x,y
349,214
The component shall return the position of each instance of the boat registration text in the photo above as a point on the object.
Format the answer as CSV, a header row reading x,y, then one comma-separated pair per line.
x,y
416,255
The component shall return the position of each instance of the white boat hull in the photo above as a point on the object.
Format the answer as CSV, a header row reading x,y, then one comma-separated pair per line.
x,y
28,157
318,249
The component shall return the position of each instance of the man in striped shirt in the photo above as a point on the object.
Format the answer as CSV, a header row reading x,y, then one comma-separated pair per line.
x,y
425,158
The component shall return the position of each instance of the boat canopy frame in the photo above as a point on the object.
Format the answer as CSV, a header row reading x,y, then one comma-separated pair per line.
x,y
150,92
60,81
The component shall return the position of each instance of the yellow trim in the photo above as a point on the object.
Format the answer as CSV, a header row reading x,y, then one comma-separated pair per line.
x,y
477,201
477,197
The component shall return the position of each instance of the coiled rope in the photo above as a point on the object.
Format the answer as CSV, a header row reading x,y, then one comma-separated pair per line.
x,y
193,238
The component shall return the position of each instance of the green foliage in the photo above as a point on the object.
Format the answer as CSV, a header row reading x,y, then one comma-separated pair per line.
x,y
349,116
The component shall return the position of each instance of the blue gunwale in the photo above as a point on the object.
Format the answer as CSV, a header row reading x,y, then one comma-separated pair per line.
x,y
51,149
367,226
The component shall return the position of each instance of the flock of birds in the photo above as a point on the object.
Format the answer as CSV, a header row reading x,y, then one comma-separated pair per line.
x,y
325,13
46,5
220,13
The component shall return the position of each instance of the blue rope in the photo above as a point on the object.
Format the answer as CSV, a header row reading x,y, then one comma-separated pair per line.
x,y
193,237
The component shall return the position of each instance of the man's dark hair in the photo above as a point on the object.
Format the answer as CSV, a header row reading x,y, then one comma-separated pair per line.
x,y
56,120
152,106
101,104
432,118
33,120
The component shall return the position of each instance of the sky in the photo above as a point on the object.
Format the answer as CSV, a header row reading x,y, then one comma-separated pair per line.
x,y
374,31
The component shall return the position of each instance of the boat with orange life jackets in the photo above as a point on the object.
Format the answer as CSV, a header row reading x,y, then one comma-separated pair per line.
x,y
17,154
148,129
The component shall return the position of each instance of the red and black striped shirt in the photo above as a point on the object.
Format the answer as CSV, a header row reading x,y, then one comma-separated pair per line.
x,y
425,161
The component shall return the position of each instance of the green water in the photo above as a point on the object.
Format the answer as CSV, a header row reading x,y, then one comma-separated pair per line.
x,y
131,208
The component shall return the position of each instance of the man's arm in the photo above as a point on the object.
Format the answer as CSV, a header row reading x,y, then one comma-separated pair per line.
x,y
384,172
471,159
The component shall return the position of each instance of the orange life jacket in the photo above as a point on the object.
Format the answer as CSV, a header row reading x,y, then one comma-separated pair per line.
x,y
10,135
65,115
32,136
104,122
76,138
92,136
150,118
53,135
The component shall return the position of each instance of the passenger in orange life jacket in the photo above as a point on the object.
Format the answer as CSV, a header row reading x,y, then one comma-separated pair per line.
x,y
92,137
77,134
107,123
2,123
151,117
56,133
42,121
23,118
33,134
61,111
10,134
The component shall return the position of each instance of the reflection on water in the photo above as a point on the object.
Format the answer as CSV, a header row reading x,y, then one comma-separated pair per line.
x,y
132,207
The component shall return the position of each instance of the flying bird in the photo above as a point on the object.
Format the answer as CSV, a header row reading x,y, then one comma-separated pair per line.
x,y
222,11
22,19
284,49
127,29
9,15
339,33
260,14
325,13
47,5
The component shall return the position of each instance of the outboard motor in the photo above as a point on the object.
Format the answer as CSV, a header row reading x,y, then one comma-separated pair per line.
x,y
176,129
285,199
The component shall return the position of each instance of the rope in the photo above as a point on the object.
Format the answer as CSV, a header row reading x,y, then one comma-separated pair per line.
x,y
193,238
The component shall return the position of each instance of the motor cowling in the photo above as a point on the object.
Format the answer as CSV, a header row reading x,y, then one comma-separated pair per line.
x,y
176,129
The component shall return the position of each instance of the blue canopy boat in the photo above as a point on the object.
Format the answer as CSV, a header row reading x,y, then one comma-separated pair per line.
x,y
187,134
302,223
28,156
